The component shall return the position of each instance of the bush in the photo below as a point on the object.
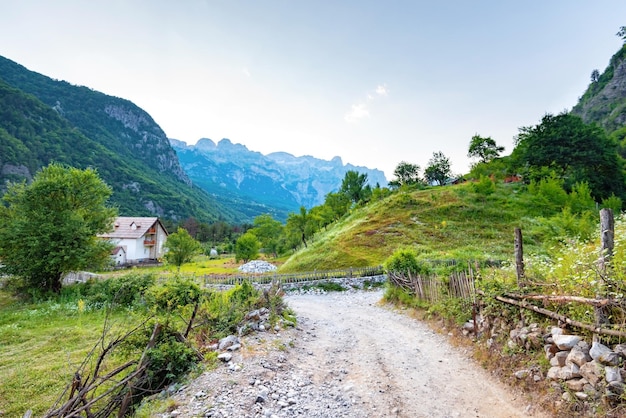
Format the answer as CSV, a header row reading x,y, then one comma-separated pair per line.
x,y
127,290
404,261
173,294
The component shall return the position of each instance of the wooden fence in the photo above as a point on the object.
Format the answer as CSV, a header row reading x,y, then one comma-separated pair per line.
x,y
311,276
433,289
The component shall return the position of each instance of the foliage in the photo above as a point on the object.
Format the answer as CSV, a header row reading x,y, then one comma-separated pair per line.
x,y
49,227
269,232
612,202
299,227
247,247
400,296
404,261
406,174
173,294
181,248
575,151
124,291
485,149
485,186
223,311
438,169
355,187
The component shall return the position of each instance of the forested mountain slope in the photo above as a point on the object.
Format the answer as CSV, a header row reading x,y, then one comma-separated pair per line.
x,y
44,120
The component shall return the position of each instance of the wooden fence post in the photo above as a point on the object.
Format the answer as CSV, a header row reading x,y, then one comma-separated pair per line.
x,y
519,258
607,235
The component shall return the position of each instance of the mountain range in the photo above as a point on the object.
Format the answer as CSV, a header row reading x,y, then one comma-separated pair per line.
x,y
43,120
279,181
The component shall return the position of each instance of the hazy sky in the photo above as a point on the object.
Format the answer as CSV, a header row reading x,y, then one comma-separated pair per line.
x,y
375,82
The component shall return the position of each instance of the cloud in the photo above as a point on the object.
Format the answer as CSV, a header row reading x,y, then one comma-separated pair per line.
x,y
246,72
361,110
358,112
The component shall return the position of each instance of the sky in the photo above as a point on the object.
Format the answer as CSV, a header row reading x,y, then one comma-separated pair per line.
x,y
374,82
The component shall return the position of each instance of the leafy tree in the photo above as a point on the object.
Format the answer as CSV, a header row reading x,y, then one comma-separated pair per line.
x,y
406,174
300,225
575,151
354,185
247,247
485,149
181,248
49,228
338,203
438,170
622,33
268,231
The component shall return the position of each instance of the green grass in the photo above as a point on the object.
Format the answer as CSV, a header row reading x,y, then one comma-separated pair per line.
x,y
441,222
41,346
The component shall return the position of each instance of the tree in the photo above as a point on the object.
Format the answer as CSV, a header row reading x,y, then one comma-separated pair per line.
x,y
354,185
595,76
268,231
575,151
181,248
247,247
300,225
406,174
438,170
485,149
49,227
622,32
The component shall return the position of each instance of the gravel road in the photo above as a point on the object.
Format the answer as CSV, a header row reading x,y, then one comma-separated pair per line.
x,y
348,357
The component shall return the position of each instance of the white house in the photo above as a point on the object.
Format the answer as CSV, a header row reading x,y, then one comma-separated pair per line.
x,y
136,239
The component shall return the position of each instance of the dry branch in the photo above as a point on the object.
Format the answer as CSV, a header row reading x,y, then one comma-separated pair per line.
x,y
562,299
559,317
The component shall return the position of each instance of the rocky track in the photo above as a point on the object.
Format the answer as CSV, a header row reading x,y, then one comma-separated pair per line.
x,y
348,357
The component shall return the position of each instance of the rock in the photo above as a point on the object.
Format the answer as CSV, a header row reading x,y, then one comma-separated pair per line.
x,y
578,356
592,371
612,374
569,371
225,357
234,347
581,395
620,349
566,342
556,331
559,359
616,387
603,354
576,385
521,374
226,342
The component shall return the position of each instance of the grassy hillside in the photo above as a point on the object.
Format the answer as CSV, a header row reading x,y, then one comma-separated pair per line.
x,y
452,222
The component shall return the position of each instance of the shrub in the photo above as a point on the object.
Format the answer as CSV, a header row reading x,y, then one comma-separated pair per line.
x,y
173,294
127,290
404,261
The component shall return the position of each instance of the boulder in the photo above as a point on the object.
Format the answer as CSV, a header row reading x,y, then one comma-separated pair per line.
x,y
566,342
603,354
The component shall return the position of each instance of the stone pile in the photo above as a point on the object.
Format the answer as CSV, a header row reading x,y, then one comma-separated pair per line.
x,y
257,266
578,370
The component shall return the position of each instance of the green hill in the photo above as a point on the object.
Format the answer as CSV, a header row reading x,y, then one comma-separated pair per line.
x,y
442,223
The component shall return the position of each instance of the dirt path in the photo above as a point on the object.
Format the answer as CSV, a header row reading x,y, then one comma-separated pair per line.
x,y
394,363
349,357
